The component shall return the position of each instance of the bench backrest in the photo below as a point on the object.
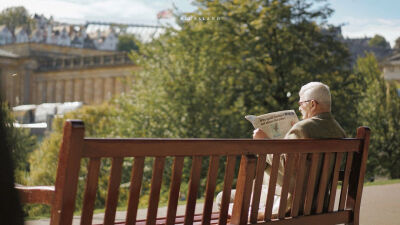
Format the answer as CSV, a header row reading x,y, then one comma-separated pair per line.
x,y
351,152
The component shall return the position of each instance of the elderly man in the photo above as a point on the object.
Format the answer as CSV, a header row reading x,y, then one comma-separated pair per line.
x,y
315,107
318,122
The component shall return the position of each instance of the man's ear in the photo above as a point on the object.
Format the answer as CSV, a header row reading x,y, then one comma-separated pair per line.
x,y
313,104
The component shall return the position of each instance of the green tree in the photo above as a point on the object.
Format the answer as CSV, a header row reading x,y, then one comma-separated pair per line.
x,y
22,144
14,17
202,79
127,43
208,74
379,41
380,110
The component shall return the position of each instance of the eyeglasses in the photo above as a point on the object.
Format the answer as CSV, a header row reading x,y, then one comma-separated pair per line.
x,y
308,101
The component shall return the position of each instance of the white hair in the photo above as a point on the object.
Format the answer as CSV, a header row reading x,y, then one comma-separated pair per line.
x,y
316,91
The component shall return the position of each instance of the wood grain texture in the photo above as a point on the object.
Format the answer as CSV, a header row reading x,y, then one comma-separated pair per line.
x,y
134,190
207,147
298,192
210,189
176,179
155,189
69,160
113,191
261,163
226,193
357,174
272,186
335,179
243,190
323,183
36,194
326,219
345,183
286,185
90,191
193,188
311,184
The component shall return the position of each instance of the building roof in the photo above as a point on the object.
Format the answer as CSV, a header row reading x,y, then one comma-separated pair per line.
x,y
392,60
2,27
19,29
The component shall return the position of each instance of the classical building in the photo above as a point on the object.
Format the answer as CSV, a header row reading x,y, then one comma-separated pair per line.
x,y
6,36
391,67
35,73
21,36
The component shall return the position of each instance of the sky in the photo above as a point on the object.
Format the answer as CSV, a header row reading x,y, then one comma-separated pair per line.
x,y
360,17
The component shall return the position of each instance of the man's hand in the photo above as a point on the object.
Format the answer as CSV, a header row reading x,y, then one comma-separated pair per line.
x,y
259,134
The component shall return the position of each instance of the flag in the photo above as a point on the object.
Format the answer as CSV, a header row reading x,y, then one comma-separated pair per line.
x,y
165,14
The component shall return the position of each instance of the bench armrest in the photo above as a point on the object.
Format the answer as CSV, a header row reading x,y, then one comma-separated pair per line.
x,y
36,194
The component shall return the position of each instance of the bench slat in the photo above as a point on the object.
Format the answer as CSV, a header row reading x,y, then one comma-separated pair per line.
x,y
345,184
36,194
206,147
90,191
311,183
176,179
290,160
244,188
323,183
69,162
134,190
113,191
299,190
326,219
335,179
357,174
261,163
155,189
210,189
272,186
226,194
193,188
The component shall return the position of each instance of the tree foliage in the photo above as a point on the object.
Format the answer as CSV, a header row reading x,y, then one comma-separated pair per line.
x,y
208,74
379,41
14,17
380,110
127,43
21,142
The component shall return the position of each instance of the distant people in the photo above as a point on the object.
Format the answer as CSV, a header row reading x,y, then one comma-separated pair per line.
x,y
318,122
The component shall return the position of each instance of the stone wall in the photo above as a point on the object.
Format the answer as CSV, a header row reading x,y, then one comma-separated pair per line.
x,y
41,73
91,86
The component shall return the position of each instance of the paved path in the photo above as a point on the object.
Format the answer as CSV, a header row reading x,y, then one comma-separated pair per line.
x,y
380,206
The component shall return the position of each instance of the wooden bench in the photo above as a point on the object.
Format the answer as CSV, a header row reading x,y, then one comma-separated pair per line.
x,y
350,154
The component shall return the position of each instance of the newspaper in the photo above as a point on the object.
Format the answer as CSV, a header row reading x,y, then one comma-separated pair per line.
x,y
275,124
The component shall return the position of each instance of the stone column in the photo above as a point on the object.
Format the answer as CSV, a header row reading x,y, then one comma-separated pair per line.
x,y
69,91
98,90
119,85
88,91
108,88
78,90
60,90
39,91
50,91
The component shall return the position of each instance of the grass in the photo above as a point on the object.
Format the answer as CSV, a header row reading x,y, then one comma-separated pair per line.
x,y
382,182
